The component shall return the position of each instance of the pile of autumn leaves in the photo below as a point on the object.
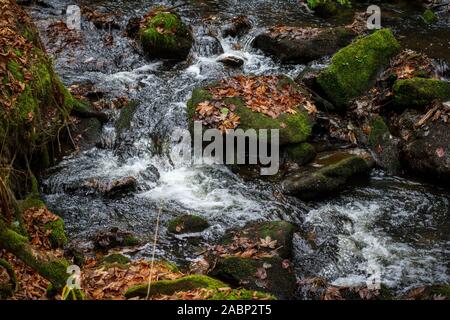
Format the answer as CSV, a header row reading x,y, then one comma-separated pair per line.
x,y
269,95
14,50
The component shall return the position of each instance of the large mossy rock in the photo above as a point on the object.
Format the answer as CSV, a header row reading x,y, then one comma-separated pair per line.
x,y
328,174
248,273
214,289
302,45
169,287
256,257
420,92
34,103
354,69
293,127
164,35
280,231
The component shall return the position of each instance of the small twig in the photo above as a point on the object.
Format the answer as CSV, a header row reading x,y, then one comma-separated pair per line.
x,y
153,253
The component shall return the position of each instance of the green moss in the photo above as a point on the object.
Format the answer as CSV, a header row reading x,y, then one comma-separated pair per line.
x,y
169,287
187,224
293,128
14,67
240,271
378,130
301,153
131,241
7,289
57,235
115,258
165,35
354,68
420,92
30,202
429,16
240,294
170,265
345,168
441,290
161,29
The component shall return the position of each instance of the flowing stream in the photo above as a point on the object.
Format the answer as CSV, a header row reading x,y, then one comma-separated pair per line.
x,y
392,227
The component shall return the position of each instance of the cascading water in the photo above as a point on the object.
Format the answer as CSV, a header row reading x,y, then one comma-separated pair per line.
x,y
394,228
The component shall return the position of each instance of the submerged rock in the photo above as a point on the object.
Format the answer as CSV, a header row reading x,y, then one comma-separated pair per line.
x,y
237,27
336,170
420,92
187,224
164,35
354,68
302,45
114,238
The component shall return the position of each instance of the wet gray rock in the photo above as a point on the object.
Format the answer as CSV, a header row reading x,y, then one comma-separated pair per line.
x,y
231,61
114,237
426,149
207,46
187,224
302,45
237,27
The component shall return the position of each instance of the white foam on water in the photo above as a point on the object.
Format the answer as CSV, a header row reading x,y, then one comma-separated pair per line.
x,y
375,252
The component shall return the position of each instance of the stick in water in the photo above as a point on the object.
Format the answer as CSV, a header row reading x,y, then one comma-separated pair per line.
x,y
153,253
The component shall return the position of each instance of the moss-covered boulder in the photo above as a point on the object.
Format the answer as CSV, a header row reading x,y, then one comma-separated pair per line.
x,y
164,35
187,224
294,125
34,103
255,257
328,174
353,69
269,274
169,287
420,92
302,45
300,153
281,232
